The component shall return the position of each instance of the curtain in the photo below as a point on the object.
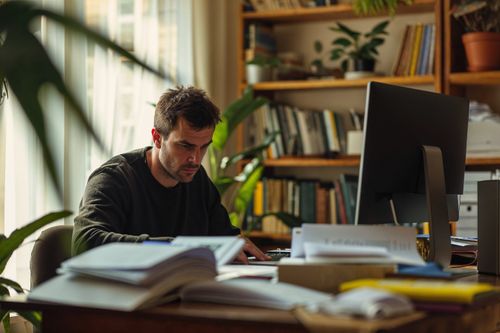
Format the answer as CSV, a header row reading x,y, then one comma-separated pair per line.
x,y
117,96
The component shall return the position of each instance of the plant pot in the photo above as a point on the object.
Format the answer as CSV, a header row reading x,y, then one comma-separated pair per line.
x,y
257,73
364,65
482,50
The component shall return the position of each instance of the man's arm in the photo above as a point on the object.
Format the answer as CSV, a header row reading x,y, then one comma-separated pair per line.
x,y
102,214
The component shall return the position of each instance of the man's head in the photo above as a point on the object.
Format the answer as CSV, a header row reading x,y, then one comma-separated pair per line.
x,y
185,119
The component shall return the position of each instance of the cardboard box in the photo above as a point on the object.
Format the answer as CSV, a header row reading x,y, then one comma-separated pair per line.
x,y
327,277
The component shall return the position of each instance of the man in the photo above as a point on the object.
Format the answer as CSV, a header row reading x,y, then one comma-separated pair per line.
x,y
159,192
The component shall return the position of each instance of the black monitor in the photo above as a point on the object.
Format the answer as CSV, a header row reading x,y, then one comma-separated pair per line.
x,y
413,161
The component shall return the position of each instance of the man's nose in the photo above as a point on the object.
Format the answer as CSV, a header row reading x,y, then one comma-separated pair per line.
x,y
195,156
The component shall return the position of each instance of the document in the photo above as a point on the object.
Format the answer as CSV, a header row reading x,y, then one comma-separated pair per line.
x,y
377,243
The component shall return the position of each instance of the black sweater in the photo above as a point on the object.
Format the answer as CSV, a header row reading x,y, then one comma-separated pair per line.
x,y
123,202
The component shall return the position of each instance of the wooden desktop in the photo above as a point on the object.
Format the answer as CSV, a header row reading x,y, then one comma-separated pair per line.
x,y
200,317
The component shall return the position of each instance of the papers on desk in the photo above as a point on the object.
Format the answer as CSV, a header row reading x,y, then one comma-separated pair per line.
x,y
225,248
357,244
253,292
127,276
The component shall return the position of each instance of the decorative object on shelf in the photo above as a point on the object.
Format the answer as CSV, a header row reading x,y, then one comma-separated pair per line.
x,y
220,165
318,69
260,68
361,52
481,20
372,7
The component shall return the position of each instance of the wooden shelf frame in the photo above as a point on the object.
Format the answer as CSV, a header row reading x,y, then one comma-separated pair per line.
x,y
341,83
354,161
325,13
475,78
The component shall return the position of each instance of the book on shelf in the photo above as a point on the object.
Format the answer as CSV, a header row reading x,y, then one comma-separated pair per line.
x,y
127,276
416,54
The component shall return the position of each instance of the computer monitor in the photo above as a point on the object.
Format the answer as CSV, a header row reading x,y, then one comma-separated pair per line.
x,y
400,180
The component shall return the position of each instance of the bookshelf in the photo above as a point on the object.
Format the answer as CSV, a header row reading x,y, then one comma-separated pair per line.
x,y
449,76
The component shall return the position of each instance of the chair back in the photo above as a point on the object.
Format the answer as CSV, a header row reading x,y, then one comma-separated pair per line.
x,y
50,249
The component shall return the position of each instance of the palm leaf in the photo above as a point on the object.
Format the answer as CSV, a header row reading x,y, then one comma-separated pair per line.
x,y
223,183
10,244
245,192
26,66
5,317
12,284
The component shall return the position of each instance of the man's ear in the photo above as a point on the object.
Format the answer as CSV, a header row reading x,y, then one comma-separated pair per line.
x,y
156,138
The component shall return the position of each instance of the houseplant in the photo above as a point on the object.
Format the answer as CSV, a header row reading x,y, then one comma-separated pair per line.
x,y
372,7
260,68
26,66
360,48
239,189
481,21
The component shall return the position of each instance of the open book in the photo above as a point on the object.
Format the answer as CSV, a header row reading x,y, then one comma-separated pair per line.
x,y
225,248
127,276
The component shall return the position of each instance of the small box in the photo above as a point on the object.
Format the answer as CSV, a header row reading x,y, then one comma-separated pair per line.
x,y
327,277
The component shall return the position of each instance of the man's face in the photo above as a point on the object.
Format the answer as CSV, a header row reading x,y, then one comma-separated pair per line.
x,y
183,150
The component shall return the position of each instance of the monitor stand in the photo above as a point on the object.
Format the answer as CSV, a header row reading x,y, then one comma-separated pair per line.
x,y
439,227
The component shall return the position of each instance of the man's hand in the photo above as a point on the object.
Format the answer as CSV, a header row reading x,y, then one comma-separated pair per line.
x,y
251,249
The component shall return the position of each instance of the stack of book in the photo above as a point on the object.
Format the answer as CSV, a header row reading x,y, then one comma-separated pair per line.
x,y
300,132
416,53
311,200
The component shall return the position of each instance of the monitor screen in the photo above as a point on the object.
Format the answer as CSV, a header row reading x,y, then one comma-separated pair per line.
x,y
399,121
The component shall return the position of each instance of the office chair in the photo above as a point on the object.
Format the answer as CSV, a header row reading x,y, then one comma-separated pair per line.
x,y
50,249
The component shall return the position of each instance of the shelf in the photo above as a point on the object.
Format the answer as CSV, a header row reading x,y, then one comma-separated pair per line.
x,y
353,161
475,78
348,161
341,83
325,13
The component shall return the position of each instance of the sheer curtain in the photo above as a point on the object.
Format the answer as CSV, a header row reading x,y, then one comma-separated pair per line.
x,y
120,94
117,95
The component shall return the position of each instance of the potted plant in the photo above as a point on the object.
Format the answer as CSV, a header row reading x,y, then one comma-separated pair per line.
x,y
372,7
260,68
360,48
481,21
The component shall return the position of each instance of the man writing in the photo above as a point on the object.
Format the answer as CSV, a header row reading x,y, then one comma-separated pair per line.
x,y
162,191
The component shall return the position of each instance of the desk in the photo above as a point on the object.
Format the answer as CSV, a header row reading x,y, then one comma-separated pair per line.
x,y
198,317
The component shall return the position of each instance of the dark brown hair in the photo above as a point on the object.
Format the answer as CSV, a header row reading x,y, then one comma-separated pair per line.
x,y
188,102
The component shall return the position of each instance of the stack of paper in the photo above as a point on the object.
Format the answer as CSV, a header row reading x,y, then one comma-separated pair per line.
x,y
127,276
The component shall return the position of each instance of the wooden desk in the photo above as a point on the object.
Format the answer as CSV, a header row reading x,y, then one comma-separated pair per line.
x,y
197,317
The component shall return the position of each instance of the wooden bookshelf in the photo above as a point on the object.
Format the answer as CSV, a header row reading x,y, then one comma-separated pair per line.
x,y
353,161
341,83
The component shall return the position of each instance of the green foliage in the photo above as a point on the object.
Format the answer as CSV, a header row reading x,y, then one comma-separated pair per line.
x,y
261,60
7,247
372,7
220,164
356,45
26,67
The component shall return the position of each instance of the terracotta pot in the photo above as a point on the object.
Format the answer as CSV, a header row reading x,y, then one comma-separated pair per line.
x,y
482,50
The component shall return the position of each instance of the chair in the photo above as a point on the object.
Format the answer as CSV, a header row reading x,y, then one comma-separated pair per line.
x,y
50,249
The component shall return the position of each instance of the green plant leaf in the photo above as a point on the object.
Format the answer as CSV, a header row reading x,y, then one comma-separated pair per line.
x,y
33,317
379,29
4,314
290,220
12,284
344,65
336,54
26,66
318,46
223,183
345,29
237,118
221,134
246,191
235,219
10,244
250,152
342,41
